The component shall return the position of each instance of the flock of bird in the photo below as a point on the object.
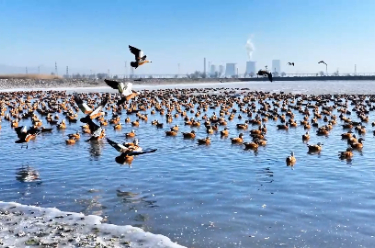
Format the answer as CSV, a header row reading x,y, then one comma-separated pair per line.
x,y
170,104
93,119
286,111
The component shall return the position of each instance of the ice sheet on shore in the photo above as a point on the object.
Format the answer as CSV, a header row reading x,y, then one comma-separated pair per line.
x,y
23,226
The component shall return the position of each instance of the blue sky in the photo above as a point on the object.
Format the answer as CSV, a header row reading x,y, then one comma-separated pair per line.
x,y
94,35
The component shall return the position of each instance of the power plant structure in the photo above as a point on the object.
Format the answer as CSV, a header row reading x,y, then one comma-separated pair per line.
x,y
221,70
230,69
212,70
250,68
276,66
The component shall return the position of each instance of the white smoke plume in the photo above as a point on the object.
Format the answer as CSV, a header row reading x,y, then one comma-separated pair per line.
x,y
250,48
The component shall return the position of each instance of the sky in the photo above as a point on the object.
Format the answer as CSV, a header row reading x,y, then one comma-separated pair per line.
x,y
94,35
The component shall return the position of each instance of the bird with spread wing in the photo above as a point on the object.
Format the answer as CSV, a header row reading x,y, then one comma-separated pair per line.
x,y
127,152
90,114
264,73
124,89
140,59
95,129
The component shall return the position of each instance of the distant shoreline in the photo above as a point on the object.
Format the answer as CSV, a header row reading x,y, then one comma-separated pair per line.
x,y
14,83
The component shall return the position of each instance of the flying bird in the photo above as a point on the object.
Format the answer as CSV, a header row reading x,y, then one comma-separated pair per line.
x,y
90,114
127,152
291,63
82,105
140,59
96,131
124,89
25,135
119,147
264,73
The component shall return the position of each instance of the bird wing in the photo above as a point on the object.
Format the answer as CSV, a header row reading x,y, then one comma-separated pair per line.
x,y
19,130
117,146
128,89
270,76
121,101
135,51
142,152
82,105
97,132
94,127
100,107
113,84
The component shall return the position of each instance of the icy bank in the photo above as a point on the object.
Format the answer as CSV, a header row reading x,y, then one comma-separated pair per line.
x,y
23,226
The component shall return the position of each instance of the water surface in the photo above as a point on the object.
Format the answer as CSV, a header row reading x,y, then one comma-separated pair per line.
x,y
209,196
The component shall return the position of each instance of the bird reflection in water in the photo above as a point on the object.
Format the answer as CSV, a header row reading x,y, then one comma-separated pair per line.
x,y
27,174
266,175
134,203
96,148
135,198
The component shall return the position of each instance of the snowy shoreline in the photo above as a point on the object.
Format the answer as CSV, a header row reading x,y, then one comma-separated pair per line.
x,y
33,84
24,226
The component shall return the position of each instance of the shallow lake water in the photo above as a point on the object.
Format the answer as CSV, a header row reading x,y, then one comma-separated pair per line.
x,y
209,196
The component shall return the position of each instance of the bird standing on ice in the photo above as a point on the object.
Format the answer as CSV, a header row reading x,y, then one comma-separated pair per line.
x,y
140,59
124,89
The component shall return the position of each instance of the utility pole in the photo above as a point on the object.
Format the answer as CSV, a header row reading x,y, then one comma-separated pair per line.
x,y
67,71
56,69
204,66
125,69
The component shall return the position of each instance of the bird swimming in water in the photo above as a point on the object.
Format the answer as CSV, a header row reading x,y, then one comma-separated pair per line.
x,y
291,63
140,59
124,89
264,72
